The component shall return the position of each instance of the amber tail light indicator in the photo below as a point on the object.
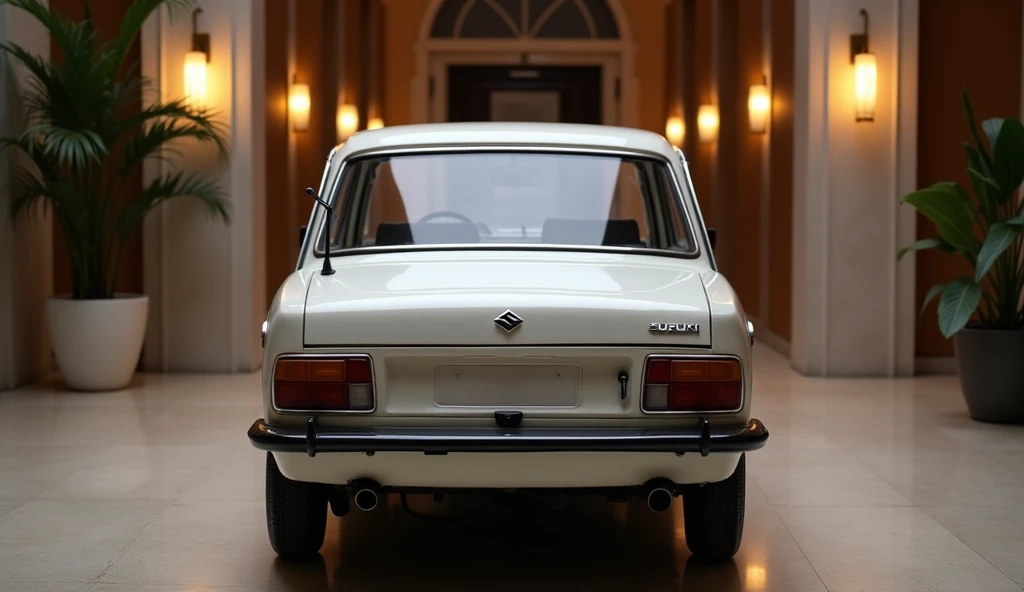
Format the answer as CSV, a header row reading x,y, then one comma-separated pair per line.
x,y
324,384
697,385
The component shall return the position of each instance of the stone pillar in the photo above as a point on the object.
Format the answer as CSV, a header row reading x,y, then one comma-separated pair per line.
x,y
26,252
206,280
853,305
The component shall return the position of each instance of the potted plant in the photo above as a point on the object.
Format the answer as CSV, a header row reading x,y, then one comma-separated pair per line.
x,y
983,312
82,138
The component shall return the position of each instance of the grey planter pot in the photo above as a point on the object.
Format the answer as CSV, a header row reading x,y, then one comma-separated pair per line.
x,y
991,365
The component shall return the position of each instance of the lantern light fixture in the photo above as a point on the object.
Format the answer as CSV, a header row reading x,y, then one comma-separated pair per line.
x,y
195,66
299,105
865,74
707,123
759,104
348,121
675,130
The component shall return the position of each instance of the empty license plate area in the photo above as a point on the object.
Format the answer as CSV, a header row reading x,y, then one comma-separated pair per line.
x,y
507,385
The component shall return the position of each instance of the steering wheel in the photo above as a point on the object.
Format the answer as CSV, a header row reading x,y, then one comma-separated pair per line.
x,y
446,214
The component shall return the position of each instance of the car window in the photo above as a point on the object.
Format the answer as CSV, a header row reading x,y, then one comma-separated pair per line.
x,y
512,198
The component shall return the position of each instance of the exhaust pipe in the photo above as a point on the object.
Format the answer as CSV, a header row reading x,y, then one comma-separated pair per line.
x,y
659,495
367,494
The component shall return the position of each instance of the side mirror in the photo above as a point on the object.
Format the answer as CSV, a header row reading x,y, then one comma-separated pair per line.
x,y
712,238
302,235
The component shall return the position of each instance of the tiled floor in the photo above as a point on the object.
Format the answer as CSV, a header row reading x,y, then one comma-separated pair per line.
x,y
865,485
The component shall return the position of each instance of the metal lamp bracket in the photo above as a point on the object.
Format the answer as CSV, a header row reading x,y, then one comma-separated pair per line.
x,y
859,42
200,41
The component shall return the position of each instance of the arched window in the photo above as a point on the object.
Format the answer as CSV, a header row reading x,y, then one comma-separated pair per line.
x,y
530,19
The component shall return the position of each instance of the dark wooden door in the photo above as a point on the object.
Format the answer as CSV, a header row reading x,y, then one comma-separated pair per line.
x,y
565,94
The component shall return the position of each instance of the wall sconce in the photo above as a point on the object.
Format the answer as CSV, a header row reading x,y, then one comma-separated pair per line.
x,y
375,123
759,104
298,105
195,67
707,123
865,74
675,130
348,121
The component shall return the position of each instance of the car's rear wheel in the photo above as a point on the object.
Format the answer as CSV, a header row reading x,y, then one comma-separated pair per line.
x,y
713,516
296,514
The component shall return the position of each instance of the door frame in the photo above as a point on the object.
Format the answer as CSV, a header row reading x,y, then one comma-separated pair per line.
x,y
437,104
615,57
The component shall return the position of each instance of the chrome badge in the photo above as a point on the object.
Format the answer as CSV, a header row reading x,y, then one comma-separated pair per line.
x,y
675,328
508,321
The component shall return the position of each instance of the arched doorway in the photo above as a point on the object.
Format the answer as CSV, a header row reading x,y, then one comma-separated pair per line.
x,y
540,60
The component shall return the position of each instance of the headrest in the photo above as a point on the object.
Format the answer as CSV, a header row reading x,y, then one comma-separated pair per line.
x,y
391,234
609,233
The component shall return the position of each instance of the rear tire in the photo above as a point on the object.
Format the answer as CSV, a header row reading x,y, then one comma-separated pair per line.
x,y
296,514
713,516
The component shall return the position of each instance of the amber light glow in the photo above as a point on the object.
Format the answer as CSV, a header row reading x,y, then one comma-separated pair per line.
x,y
195,80
374,123
707,123
298,106
865,74
348,121
758,107
675,131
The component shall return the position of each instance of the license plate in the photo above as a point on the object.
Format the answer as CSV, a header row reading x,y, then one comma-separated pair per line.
x,y
507,386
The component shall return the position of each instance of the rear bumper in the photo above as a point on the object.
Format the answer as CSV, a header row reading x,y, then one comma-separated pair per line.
x,y
703,438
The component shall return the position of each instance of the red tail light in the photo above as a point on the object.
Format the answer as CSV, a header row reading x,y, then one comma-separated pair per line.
x,y
692,384
344,383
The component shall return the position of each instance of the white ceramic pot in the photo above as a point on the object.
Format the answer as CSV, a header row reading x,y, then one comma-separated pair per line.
x,y
97,342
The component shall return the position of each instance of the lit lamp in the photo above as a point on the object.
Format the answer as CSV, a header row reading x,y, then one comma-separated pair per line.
x,y
298,106
675,131
375,123
758,106
348,121
707,123
195,67
865,74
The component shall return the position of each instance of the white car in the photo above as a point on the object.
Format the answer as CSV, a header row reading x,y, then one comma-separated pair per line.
x,y
528,307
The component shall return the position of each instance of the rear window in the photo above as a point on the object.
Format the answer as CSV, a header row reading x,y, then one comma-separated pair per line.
x,y
513,198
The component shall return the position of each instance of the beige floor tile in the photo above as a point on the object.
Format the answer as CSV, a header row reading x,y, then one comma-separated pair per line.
x,y
69,540
236,476
899,549
819,478
997,534
200,544
26,470
45,586
101,587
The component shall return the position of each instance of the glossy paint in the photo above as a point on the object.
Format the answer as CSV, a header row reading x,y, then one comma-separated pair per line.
x,y
413,310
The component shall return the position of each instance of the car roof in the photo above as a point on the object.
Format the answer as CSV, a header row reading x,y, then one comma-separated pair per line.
x,y
485,134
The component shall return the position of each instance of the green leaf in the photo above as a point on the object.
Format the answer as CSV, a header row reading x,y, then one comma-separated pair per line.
x,y
974,159
925,243
1008,157
969,114
945,205
1017,221
1000,236
932,293
988,193
959,301
991,128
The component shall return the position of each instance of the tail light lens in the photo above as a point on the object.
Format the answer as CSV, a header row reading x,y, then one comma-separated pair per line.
x,y
324,384
692,384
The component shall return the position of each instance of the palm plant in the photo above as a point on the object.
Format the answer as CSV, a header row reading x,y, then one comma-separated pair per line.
x,y
988,230
83,138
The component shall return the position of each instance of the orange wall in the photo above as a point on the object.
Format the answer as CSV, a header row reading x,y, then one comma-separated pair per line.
x,y
281,235
961,46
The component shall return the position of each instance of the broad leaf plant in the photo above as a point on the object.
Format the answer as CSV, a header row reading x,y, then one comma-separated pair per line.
x,y
985,228
85,134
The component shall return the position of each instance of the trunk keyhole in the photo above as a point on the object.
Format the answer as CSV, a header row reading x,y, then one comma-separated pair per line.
x,y
624,385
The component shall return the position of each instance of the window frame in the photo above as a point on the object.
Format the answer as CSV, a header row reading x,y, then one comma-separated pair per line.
x,y
690,218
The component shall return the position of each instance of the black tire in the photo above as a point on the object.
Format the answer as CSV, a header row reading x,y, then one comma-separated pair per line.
x,y
296,514
713,516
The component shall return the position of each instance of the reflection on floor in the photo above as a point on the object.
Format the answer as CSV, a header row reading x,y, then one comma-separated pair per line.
x,y
864,485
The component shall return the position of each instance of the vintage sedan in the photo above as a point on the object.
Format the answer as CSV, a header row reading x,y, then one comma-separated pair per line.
x,y
524,307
